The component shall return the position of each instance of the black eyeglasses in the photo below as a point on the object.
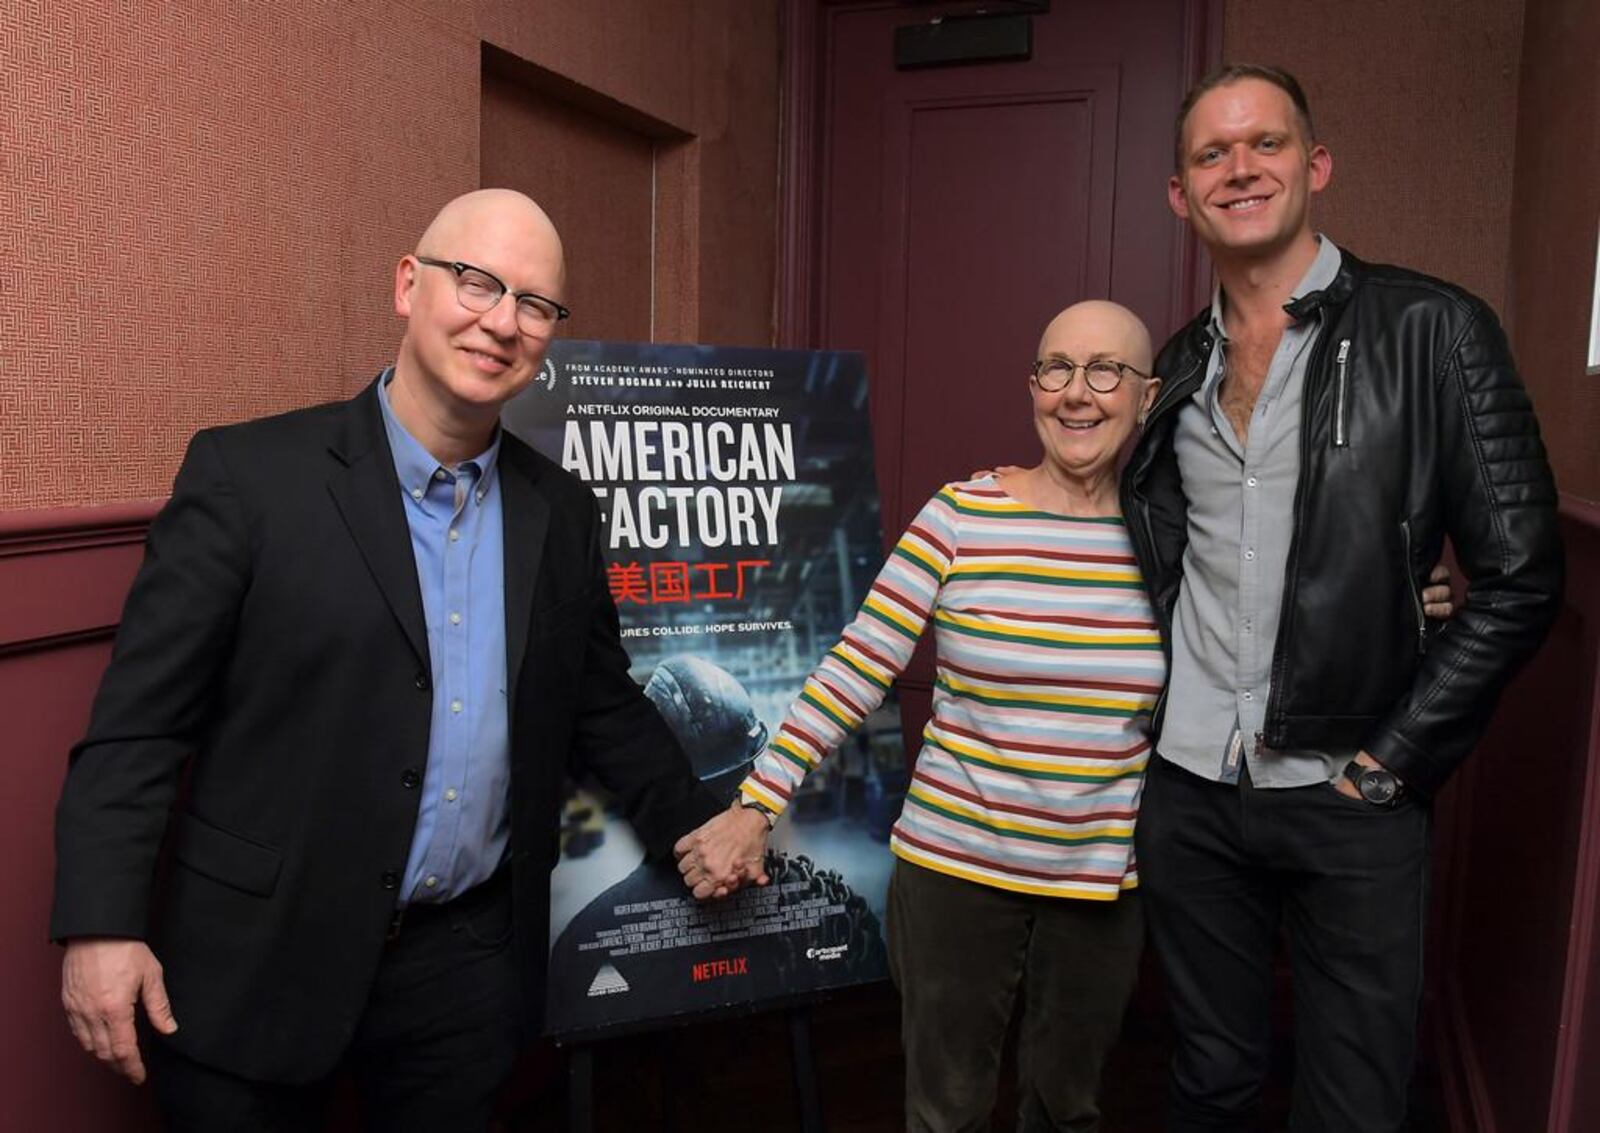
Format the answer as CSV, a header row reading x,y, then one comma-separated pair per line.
x,y
480,291
1103,374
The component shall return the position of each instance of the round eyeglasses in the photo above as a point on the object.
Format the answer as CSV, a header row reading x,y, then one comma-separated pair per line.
x,y
481,291
1103,375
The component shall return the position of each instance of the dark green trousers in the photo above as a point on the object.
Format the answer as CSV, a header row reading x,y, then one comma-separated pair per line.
x,y
962,954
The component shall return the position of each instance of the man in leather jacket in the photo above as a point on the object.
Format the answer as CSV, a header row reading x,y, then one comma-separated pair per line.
x,y
1323,427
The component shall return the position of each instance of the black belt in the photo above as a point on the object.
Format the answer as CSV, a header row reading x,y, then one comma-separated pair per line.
x,y
479,897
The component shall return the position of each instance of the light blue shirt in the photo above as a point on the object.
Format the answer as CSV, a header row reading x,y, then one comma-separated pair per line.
x,y
1241,507
464,816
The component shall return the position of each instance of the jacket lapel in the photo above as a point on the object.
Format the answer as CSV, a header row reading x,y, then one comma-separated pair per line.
x,y
526,518
367,492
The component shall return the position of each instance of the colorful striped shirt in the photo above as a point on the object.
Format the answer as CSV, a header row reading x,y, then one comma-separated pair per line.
x,y
1048,667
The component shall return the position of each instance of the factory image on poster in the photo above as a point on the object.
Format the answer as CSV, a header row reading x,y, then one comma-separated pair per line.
x,y
739,506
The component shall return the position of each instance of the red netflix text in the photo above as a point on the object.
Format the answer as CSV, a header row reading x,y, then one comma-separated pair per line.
x,y
716,969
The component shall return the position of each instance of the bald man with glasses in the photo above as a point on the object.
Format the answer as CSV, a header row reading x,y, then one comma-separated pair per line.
x,y
367,641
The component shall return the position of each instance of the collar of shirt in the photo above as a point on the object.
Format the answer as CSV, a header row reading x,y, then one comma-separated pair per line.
x,y
1323,271
416,466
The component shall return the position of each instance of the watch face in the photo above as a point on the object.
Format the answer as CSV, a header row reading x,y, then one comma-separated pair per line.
x,y
1378,787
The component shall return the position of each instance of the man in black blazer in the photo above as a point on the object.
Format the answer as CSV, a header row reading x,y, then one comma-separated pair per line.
x,y
366,642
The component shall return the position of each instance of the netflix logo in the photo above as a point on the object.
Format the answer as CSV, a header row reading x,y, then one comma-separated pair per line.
x,y
716,969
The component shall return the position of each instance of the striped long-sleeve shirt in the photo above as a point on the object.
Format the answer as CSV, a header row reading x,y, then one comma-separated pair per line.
x,y
1049,663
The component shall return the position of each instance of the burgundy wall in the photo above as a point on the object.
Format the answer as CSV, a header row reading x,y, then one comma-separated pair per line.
x,y
1517,1012
62,578
1553,229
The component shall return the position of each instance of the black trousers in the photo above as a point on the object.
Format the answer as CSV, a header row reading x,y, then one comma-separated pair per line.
x,y
962,953
1224,870
437,1041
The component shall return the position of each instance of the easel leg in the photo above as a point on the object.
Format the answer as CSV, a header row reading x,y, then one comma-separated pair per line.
x,y
580,1089
805,1070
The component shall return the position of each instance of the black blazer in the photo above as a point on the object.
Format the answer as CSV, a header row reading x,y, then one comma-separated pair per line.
x,y
273,645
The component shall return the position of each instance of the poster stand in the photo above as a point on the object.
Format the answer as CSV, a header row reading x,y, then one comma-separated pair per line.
x,y
738,507
580,1088
580,1078
805,1070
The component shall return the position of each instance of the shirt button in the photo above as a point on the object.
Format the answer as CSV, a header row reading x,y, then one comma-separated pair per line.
x,y
430,882
479,495
454,535
409,779
455,618
1252,481
455,706
1249,556
450,795
390,879
416,493
440,474
1248,695
421,681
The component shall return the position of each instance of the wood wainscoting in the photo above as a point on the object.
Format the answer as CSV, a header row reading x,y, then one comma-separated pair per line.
x,y
1516,991
63,577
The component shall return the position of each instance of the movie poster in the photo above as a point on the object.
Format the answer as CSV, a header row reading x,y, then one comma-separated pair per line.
x,y
740,507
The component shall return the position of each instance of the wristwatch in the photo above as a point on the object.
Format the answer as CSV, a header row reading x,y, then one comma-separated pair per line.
x,y
1377,785
766,811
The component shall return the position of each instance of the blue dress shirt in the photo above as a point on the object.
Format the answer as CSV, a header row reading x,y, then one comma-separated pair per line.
x,y
464,816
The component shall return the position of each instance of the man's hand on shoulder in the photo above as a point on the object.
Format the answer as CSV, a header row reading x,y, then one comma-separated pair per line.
x,y
101,981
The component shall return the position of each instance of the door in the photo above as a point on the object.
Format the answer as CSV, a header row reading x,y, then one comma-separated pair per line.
x,y
959,208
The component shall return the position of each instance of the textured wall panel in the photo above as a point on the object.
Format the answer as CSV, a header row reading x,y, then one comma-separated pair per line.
x,y
201,202
1418,103
1553,232
192,217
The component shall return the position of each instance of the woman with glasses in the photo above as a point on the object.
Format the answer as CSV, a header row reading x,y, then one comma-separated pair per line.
x,y
1014,874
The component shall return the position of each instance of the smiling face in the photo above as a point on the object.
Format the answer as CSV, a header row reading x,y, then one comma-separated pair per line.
x,y
464,364
1083,431
1248,172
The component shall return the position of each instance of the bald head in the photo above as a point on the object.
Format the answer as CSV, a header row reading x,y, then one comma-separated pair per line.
x,y
504,220
474,338
1098,328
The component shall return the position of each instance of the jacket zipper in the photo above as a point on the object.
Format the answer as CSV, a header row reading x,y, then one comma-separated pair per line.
x,y
1411,587
1339,439
1280,655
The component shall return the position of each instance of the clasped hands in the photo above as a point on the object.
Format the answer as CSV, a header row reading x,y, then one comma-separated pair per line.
x,y
729,851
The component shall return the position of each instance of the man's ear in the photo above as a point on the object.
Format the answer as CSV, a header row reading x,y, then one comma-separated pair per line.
x,y
1320,162
405,279
1177,198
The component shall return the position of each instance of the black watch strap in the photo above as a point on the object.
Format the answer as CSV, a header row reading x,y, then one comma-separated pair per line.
x,y
757,805
1377,785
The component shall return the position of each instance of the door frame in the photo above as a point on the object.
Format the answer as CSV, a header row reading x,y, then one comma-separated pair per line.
x,y
803,28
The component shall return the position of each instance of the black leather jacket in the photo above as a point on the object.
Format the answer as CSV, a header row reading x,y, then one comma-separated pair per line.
x,y
1416,427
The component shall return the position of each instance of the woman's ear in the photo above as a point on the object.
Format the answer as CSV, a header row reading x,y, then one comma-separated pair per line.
x,y
1147,398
